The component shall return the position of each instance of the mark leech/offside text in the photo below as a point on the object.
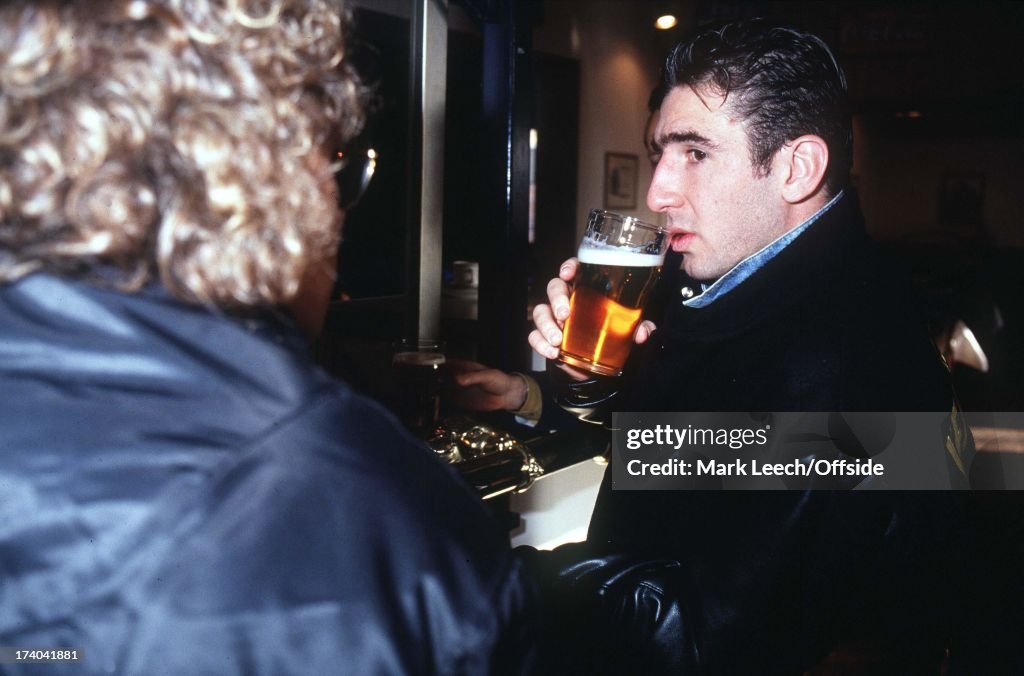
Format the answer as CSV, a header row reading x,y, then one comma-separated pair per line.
x,y
677,467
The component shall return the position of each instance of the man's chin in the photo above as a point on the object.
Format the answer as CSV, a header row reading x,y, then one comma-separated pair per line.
x,y
694,271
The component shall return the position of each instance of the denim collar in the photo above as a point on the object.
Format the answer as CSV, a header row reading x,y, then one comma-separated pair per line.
x,y
752,263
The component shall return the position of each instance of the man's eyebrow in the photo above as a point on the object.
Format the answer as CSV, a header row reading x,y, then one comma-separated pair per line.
x,y
688,136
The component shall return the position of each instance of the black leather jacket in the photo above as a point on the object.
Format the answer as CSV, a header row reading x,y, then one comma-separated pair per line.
x,y
184,493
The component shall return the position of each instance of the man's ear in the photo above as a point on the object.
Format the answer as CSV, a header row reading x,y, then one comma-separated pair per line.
x,y
804,161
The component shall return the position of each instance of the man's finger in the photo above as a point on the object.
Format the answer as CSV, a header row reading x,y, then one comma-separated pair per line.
x,y
541,346
568,269
463,365
575,373
546,325
469,378
644,331
558,296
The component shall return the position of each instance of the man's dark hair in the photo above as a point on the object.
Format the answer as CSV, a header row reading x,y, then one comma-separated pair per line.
x,y
782,82
657,96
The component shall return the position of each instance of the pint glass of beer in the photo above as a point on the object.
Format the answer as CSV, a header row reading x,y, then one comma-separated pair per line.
x,y
620,260
417,373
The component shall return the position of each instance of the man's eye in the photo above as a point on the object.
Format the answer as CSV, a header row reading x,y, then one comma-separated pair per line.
x,y
697,155
653,157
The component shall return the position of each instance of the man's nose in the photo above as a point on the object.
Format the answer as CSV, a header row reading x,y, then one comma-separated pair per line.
x,y
664,192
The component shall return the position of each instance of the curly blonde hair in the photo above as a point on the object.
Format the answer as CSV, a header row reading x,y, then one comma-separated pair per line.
x,y
184,140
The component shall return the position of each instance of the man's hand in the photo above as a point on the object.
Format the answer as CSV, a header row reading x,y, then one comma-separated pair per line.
x,y
549,319
478,388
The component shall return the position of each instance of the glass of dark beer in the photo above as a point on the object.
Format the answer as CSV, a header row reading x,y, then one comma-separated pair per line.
x,y
417,370
620,260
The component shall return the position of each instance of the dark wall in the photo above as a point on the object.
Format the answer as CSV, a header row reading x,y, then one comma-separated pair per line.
x,y
556,119
372,254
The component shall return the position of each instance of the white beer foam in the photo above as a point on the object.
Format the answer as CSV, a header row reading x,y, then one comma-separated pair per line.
x,y
622,257
418,358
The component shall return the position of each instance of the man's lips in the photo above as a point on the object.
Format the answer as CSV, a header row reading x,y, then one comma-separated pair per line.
x,y
680,240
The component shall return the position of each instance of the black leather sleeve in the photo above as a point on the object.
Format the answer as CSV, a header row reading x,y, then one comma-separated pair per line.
x,y
612,613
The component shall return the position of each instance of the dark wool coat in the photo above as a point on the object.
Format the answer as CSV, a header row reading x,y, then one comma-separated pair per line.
x,y
771,582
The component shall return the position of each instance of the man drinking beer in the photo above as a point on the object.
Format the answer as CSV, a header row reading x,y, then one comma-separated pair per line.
x,y
785,305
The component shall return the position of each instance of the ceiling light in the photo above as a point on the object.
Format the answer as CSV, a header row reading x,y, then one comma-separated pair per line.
x,y
665,22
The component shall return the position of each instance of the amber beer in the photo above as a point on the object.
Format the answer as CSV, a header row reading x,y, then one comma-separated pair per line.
x,y
620,260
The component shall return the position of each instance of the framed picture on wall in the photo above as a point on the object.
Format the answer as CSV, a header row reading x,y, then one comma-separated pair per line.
x,y
620,176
